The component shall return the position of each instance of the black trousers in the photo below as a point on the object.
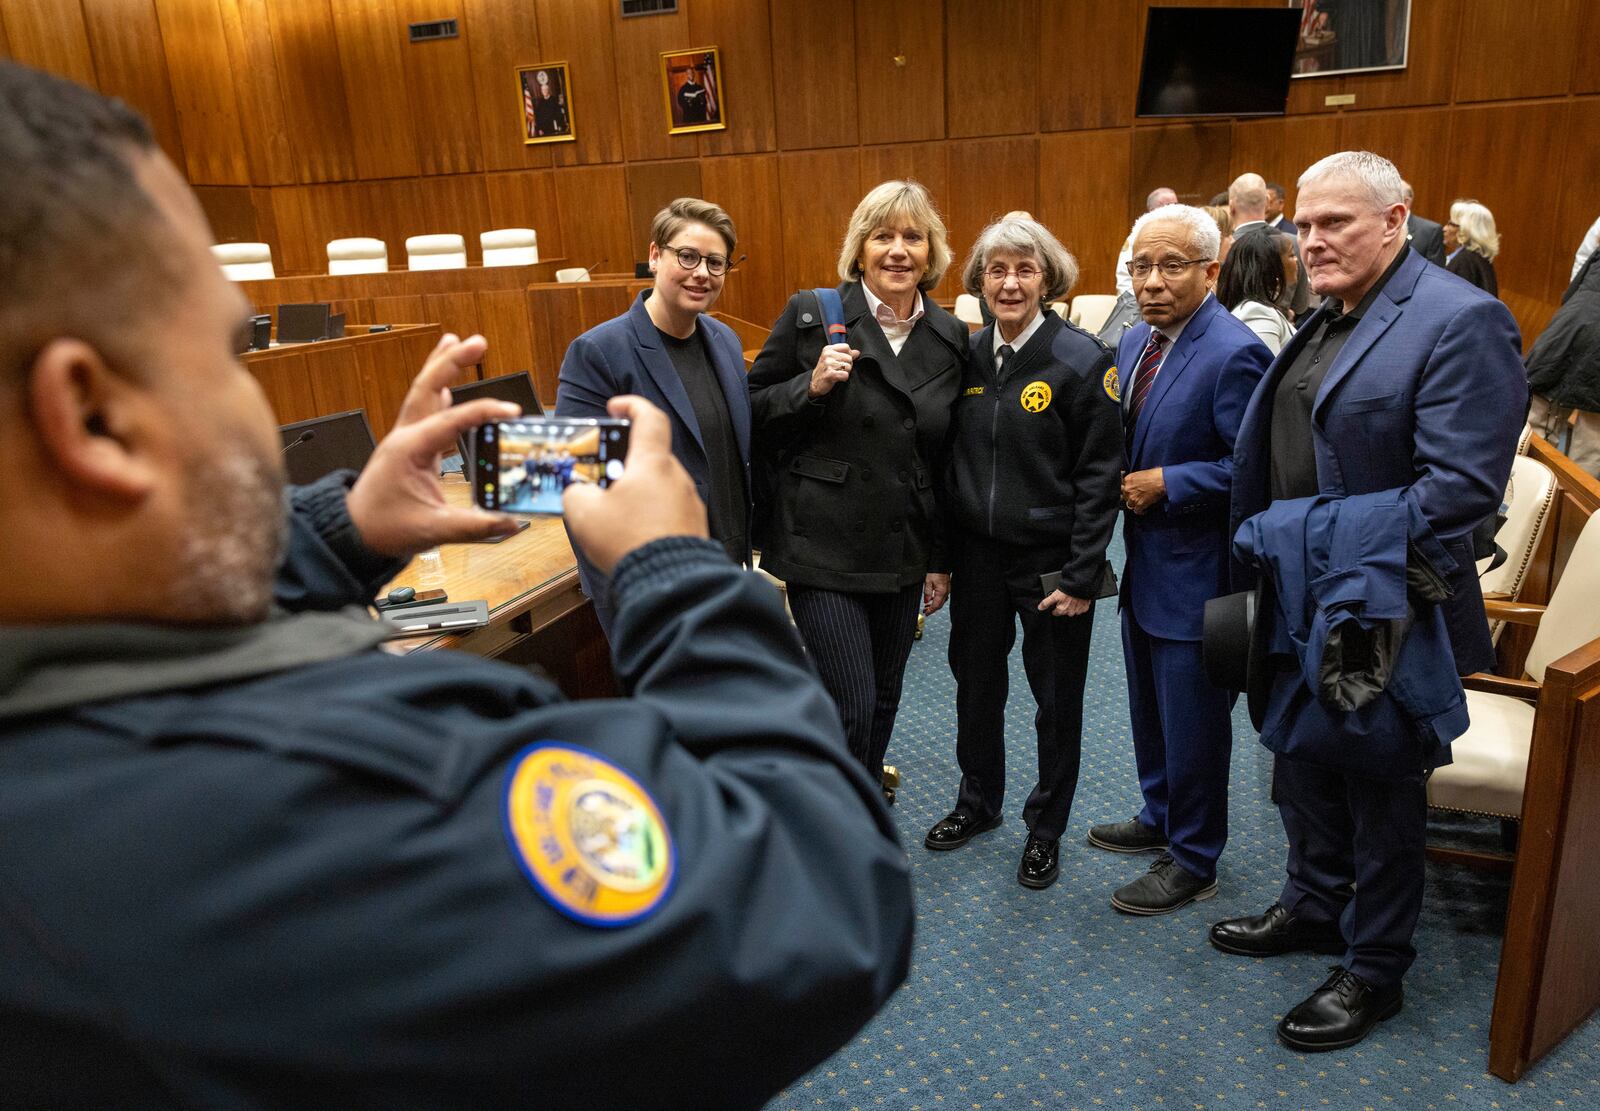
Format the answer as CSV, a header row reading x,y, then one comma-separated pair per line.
x,y
994,584
859,644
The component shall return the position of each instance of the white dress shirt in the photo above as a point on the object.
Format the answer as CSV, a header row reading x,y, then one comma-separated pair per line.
x,y
895,330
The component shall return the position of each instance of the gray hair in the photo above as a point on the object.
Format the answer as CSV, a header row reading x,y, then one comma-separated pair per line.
x,y
1203,230
1024,236
896,203
1475,228
1374,173
1158,196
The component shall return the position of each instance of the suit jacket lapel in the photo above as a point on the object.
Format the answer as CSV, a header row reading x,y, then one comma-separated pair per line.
x,y
1383,312
654,358
868,338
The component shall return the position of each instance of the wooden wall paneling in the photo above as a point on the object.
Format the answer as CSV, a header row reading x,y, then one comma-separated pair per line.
x,y
526,199
1089,55
1579,203
988,178
814,74
387,368
232,214
1089,218
1586,70
287,384
991,72
554,318
125,41
502,37
457,203
1416,142
403,308
313,89
580,35
1517,50
202,82
503,320
900,70
335,378
263,120
599,302
50,35
1281,149
651,187
593,201
1430,62
297,250
1191,158
639,96
747,187
927,163
5,43
266,222
443,101
368,35
815,213
743,32
454,312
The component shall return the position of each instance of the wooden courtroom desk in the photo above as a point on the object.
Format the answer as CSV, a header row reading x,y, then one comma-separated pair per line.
x,y
360,371
538,614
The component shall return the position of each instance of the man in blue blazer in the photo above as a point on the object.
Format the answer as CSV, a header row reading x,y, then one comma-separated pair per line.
x,y
1187,372
667,349
1406,379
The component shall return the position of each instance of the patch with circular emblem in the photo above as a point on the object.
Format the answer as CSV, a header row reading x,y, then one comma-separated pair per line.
x,y
1113,385
1036,397
588,835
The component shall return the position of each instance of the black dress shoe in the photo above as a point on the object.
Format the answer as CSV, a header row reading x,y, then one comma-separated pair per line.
x,y
1039,868
1276,932
1339,1013
1131,836
956,830
1163,889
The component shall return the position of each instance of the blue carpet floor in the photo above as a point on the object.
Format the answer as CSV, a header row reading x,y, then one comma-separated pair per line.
x,y
1052,999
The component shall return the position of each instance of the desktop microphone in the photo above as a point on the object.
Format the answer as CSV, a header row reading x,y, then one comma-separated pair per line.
x,y
307,435
734,265
589,270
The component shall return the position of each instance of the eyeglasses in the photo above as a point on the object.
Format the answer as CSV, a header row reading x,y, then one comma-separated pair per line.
x,y
1024,274
1170,268
689,259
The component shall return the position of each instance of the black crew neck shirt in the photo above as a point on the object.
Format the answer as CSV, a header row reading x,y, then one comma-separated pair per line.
x,y
726,500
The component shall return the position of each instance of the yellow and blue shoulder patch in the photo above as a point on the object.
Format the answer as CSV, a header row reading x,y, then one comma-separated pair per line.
x,y
588,835
1113,385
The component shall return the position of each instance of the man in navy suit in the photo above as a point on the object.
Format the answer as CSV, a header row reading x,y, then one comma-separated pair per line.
x,y
1409,379
665,348
1187,373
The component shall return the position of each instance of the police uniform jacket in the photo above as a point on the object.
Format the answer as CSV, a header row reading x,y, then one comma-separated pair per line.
x,y
273,867
846,500
1036,451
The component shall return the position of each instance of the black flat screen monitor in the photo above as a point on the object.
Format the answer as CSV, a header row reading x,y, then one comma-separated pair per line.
x,y
305,323
322,445
516,388
1217,61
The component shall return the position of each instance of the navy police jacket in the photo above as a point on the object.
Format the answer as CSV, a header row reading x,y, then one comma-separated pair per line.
x,y
1365,681
351,879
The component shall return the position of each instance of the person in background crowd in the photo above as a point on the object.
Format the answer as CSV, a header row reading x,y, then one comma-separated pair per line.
x,y
1276,199
1031,499
1247,209
851,438
1219,216
1425,236
1471,243
1251,284
1564,370
1159,196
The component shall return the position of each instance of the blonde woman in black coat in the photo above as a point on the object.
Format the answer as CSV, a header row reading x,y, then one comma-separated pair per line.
x,y
851,439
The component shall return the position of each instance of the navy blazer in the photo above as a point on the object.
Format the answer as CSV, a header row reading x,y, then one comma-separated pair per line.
x,y
625,356
1177,551
1429,395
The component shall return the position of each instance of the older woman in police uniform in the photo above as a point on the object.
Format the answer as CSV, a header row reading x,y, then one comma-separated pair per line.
x,y
850,437
1031,494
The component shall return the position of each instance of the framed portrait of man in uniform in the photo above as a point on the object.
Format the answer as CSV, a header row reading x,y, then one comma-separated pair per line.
x,y
692,83
546,103
1351,36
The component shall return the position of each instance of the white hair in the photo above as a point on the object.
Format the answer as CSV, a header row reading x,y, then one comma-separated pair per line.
x,y
1374,173
1203,231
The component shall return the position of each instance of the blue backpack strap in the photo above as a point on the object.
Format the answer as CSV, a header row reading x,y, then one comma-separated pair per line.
x,y
832,311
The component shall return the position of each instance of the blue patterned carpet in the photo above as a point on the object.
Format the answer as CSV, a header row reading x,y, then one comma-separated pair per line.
x,y
1052,999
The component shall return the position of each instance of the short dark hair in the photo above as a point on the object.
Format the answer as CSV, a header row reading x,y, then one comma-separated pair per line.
x,y
1253,270
1276,190
79,237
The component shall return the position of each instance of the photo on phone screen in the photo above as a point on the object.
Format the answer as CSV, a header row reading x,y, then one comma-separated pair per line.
x,y
523,466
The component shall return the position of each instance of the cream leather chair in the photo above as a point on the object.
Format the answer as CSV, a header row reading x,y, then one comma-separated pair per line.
x,y
244,262
1529,495
1060,309
573,274
1490,764
436,252
358,256
1090,310
510,247
968,310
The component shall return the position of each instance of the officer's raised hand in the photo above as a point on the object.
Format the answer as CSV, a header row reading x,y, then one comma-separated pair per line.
x,y
654,498
833,366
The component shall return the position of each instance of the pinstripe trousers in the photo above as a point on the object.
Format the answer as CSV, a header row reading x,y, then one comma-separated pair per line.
x,y
859,644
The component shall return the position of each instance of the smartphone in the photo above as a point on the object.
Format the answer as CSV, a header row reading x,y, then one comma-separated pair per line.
x,y
524,465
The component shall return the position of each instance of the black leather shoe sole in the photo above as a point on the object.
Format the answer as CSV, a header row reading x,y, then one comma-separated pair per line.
x,y
1332,947
1112,847
972,831
1388,1012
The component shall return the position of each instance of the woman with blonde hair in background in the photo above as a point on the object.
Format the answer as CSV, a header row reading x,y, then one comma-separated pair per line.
x,y
1470,244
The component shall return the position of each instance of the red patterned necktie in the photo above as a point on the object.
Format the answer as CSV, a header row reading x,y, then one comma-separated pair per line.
x,y
1145,377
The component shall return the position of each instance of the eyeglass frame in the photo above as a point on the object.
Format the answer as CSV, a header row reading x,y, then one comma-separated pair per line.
x,y
1033,272
1180,264
678,252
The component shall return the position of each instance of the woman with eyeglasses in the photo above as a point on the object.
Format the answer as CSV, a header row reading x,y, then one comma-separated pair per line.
x,y
1470,244
666,349
851,437
1031,495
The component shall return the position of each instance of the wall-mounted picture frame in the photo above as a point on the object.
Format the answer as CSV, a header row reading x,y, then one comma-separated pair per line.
x,y
691,81
1351,36
547,114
